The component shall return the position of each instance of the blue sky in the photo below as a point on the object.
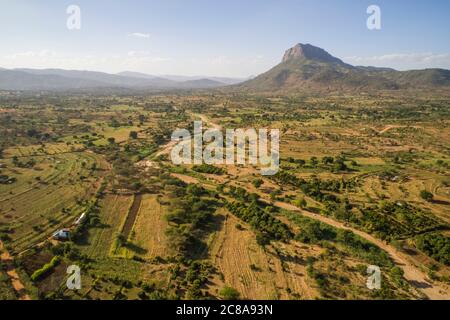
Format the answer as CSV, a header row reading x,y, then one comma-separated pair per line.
x,y
223,38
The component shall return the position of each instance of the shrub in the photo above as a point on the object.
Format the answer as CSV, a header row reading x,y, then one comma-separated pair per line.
x,y
48,267
435,245
426,195
133,135
229,293
207,168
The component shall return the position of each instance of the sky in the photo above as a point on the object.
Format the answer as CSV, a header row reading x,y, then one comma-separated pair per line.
x,y
232,38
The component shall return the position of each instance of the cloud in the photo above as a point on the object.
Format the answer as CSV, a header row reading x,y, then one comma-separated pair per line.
x,y
403,61
220,60
108,63
31,54
139,60
140,35
241,61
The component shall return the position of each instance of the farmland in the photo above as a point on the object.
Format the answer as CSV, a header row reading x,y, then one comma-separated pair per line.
x,y
362,181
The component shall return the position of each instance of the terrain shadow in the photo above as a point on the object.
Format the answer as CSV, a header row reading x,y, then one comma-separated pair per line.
x,y
441,202
420,284
135,248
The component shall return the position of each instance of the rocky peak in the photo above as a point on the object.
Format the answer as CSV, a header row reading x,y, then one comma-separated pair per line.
x,y
310,52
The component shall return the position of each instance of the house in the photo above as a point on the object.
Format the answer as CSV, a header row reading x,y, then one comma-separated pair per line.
x,y
62,235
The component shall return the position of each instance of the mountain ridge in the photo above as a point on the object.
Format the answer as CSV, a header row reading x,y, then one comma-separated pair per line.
x,y
26,79
305,67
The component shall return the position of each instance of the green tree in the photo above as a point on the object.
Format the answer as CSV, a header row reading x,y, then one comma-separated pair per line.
x,y
257,182
426,195
133,135
229,293
314,162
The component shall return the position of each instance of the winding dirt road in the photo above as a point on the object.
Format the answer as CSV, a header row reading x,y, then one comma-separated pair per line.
x,y
416,277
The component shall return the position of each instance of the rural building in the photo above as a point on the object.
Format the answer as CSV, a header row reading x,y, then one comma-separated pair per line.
x,y
63,234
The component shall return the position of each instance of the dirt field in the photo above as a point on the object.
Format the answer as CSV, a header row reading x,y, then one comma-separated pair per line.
x,y
113,210
149,229
253,271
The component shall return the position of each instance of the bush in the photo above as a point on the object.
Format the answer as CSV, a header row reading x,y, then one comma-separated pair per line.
x,y
48,267
133,135
207,168
229,293
426,195
257,182
435,245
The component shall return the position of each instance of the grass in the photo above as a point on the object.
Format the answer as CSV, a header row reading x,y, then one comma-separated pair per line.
x,y
149,229
113,209
35,208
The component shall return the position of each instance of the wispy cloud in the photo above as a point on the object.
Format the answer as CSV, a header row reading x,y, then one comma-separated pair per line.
x,y
111,63
140,35
31,54
227,61
138,60
404,60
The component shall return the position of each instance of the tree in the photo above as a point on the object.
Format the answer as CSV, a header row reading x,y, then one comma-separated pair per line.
x,y
300,203
111,140
257,182
15,161
327,160
133,135
229,293
426,195
32,132
121,240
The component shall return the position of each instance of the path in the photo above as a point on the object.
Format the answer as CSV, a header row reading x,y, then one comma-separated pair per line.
x,y
416,277
132,214
390,127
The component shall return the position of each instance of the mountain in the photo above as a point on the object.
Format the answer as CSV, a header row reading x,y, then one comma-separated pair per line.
x,y
224,80
20,80
303,68
104,79
309,52
306,68
60,80
201,83
177,78
136,75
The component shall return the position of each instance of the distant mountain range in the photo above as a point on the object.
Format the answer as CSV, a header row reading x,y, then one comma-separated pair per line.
x,y
60,80
306,68
303,69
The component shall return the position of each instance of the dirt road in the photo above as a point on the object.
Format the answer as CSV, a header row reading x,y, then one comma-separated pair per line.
x,y
390,127
416,277
206,120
